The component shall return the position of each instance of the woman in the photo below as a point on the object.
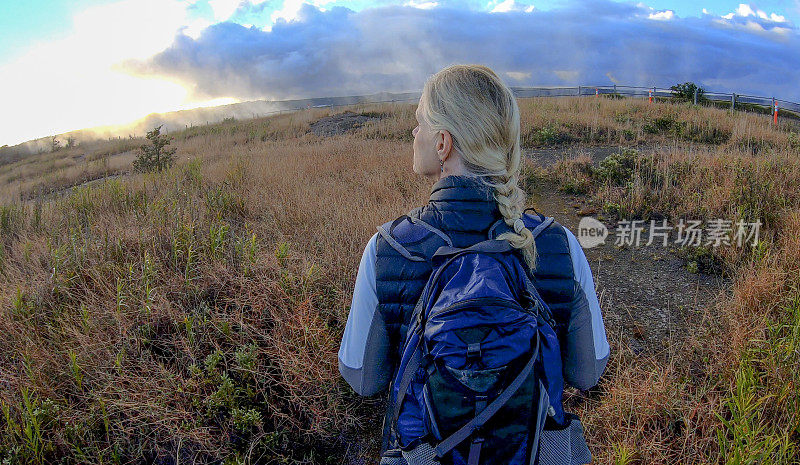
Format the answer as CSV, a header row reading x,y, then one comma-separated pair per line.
x,y
468,137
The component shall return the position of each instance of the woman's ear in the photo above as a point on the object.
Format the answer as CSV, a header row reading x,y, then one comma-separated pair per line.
x,y
444,144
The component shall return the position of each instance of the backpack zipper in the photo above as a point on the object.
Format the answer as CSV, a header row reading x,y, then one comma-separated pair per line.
x,y
473,301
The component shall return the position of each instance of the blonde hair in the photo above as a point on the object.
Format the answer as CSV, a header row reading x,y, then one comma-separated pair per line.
x,y
482,116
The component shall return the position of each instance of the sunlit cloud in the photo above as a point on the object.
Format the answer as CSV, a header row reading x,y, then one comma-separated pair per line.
x,y
422,5
662,15
224,9
78,82
744,10
508,5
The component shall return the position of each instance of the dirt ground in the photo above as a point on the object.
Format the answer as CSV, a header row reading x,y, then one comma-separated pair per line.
x,y
339,124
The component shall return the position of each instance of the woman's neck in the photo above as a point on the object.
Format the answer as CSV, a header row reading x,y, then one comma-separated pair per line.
x,y
453,166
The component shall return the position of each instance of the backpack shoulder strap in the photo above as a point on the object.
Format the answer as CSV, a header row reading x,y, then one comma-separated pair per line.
x,y
412,237
536,225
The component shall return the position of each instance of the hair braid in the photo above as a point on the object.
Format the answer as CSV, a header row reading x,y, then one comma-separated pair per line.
x,y
510,200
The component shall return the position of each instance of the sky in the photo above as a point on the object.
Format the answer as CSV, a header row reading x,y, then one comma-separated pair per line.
x,y
66,65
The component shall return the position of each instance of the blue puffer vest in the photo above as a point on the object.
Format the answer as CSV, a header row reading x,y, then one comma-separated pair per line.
x,y
465,210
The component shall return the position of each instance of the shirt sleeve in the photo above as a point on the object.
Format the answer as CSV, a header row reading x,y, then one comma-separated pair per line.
x,y
587,348
364,350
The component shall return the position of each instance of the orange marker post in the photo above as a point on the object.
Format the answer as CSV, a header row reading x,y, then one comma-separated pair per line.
x,y
650,95
775,119
596,93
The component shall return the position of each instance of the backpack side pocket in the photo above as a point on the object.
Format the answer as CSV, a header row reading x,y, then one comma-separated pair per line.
x,y
564,444
393,457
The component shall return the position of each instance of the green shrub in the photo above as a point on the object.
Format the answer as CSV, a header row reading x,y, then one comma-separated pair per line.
x,y
156,156
245,419
702,259
618,169
659,125
685,92
794,140
545,136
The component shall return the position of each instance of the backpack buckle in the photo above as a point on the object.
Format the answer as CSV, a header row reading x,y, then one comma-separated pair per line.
x,y
420,328
473,352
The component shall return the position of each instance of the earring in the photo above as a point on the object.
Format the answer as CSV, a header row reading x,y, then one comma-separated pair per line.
x,y
441,166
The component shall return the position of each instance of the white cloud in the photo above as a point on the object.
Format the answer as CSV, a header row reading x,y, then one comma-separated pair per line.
x,y
777,18
567,75
421,5
662,15
504,7
290,10
518,75
508,5
744,10
756,21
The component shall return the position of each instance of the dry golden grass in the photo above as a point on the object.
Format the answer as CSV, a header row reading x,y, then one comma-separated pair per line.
x,y
603,121
195,314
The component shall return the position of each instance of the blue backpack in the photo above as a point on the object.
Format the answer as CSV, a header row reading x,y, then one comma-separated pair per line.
x,y
480,371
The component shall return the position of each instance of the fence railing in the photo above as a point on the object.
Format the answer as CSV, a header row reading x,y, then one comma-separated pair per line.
x,y
656,92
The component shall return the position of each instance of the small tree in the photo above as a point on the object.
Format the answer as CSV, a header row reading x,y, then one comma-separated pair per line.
x,y
155,156
70,142
685,92
55,144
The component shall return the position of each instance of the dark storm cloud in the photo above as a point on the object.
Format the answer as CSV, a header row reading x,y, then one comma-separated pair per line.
x,y
392,48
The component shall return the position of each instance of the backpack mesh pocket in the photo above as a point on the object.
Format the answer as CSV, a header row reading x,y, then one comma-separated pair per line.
x,y
391,459
423,454
564,446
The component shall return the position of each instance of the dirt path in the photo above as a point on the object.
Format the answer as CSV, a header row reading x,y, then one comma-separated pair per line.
x,y
646,292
